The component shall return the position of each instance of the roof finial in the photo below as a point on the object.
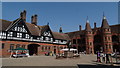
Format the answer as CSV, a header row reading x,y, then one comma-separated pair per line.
x,y
47,23
87,20
104,16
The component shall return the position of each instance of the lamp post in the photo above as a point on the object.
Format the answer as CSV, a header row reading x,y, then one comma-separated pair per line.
x,y
69,45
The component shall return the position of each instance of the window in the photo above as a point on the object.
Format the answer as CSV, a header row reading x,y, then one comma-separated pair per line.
x,y
45,47
14,34
10,34
23,46
3,34
27,35
19,35
108,38
109,46
49,47
41,38
47,38
3,45
54,47
51,39
90,43
105,38
61,47
23,35
42,48
106,46
74,41
11,46
18,28
108,29
15,28
78,41
21,29
18,45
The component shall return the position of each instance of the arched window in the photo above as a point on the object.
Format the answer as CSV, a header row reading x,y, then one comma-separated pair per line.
x,y
74,41
109,46
11,46
49,47
23,46
106,46
42,48
115,38
18,45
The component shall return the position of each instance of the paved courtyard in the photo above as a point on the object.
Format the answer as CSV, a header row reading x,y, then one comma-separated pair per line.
x,y
49,61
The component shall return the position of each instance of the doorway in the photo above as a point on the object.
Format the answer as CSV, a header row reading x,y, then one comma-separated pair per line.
x,y
33,49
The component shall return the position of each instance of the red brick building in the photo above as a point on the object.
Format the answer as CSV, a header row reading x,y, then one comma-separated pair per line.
x,y
37,39
105,38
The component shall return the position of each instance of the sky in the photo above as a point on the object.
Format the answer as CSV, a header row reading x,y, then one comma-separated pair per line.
x,y
68,15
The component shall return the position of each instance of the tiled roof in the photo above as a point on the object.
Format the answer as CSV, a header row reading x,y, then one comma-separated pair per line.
x,y
114,29
88,27
5,24
105,24
60,36
34,30
76,33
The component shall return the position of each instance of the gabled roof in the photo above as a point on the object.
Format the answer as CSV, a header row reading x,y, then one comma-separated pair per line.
x,y
60,36
44,28
76,33
34,29
4,23
114,29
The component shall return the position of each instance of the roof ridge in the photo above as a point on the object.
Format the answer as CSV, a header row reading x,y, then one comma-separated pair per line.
x,y
13,23
5,20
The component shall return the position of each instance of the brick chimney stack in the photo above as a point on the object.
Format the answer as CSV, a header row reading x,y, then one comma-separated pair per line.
x,y
80,27
23,15
34,19
94,24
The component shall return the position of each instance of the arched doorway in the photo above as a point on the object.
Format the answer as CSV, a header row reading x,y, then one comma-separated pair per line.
x,y
83,48
98,48
33,49
115,39
97,43
117,48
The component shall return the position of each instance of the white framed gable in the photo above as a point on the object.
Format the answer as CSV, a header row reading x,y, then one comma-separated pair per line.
x,y
18,26
47,33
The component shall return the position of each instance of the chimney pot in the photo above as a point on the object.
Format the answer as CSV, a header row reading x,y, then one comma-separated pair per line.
x,y
94,24
23,15
34,19
80,27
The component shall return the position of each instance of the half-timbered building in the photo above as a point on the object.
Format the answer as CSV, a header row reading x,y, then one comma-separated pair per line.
x,y
37,39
